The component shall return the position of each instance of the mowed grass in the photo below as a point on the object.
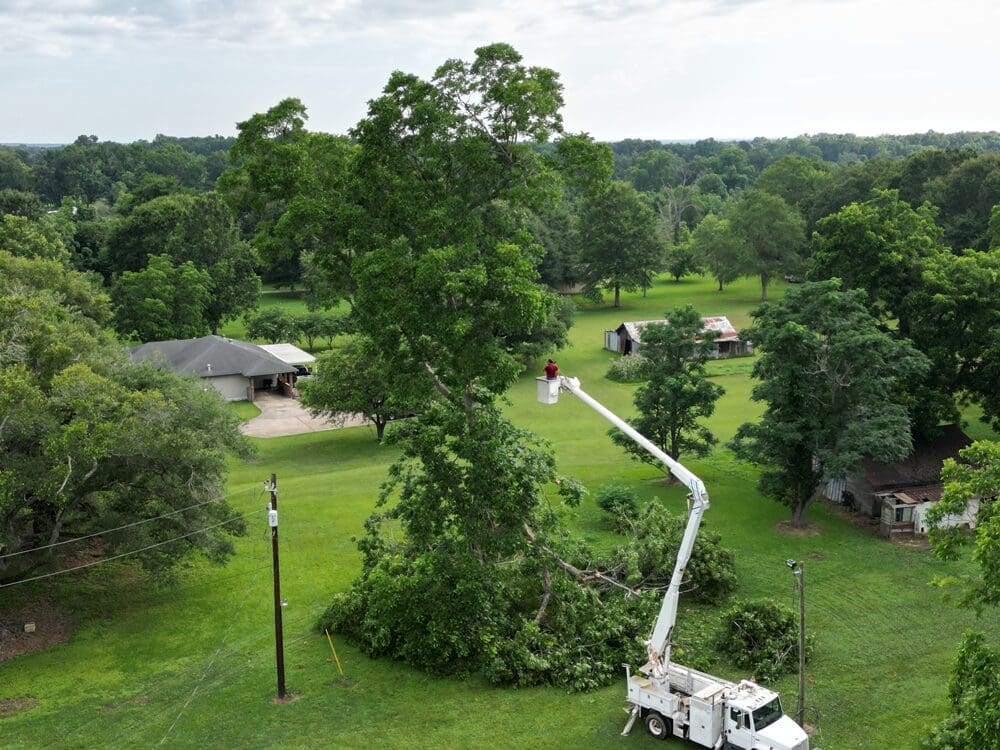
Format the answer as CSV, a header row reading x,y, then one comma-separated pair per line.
x,y
192,665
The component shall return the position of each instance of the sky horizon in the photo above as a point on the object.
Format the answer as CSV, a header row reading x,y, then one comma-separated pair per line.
x,y
672,70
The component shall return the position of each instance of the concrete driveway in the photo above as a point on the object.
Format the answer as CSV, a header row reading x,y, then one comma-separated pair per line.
x,y
280,416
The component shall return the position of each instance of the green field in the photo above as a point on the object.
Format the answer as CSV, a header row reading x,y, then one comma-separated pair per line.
x,y
192,665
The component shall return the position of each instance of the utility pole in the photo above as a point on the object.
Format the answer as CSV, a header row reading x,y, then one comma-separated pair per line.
x,y
279,642
797,571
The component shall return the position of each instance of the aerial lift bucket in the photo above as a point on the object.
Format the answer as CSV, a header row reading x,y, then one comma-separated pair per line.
x,y
548,391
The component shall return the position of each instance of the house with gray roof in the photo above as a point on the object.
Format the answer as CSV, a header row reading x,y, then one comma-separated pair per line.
x,y
237,369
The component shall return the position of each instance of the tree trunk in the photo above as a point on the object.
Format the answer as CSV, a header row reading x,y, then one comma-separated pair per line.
x,y
380,423
618,296
799,514
763,286
720,285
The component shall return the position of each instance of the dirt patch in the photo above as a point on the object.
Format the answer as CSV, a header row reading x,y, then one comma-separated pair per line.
x,y
786,528
861,520
289,698
11,706
913,542
52,627
815,556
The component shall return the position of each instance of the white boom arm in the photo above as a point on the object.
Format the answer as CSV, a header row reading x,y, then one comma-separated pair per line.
x,y
659,643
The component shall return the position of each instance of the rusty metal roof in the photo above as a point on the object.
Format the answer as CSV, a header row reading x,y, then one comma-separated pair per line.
x,y
922,468
718,323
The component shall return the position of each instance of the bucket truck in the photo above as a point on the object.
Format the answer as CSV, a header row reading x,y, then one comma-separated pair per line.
x,y
677,701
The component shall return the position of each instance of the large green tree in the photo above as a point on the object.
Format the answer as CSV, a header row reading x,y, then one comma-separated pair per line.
x,y
290,188
677,395
356,378
830,380
772,233
953,316
163,301
800,182
90,441
718,250
190,228
945,303
474,573
621,247
880,246
966,196
31,239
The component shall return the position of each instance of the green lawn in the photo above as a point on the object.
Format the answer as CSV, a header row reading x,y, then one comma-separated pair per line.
x,y
243,409
192,665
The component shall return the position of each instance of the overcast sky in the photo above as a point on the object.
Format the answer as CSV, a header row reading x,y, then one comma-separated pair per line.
x,y
673,69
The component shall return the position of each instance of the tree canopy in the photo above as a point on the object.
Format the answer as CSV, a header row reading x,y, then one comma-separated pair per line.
x,y
477,573
621,248
772,233
974,687
356,378
90,441
830,380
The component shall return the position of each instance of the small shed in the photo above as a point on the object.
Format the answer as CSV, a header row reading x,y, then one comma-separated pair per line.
x,y
236,369
627,338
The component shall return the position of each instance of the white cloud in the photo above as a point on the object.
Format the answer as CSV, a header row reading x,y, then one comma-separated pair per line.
x,y
643,68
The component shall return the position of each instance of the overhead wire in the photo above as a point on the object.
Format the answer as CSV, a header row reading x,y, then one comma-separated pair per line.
x,y
130,552
158,687
208,667
116,528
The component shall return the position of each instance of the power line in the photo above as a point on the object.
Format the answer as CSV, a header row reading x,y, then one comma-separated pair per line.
x,y
108,531
211,661
126,554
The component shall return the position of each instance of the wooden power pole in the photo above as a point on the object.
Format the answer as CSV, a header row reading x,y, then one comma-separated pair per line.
x,y
797,571
279,643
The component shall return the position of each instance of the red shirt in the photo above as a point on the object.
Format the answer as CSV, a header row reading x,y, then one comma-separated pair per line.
x,y
551,370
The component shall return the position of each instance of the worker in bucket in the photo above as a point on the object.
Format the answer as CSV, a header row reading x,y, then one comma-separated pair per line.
x,y
551,370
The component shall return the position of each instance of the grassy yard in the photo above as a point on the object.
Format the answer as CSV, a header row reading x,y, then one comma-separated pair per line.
x,y
243,409
193,664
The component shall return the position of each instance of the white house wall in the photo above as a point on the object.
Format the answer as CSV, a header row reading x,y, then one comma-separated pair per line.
x,y
232,387
952,519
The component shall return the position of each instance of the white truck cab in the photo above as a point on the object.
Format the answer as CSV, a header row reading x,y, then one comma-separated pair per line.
x,y
754,720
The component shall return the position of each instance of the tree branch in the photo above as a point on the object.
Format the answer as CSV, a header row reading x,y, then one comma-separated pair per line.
x,y
583,576
441,387
547,587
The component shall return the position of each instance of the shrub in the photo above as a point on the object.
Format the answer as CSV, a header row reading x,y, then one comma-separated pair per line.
x,y
761,637
649,557
630,369
620,501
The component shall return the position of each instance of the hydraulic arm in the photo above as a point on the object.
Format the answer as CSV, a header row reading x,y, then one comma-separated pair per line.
x,y
658,645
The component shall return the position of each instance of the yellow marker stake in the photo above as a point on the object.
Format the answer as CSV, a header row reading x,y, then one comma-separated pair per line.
x,y
330,640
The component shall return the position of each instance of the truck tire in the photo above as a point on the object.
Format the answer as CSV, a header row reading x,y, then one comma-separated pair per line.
x,y
657,726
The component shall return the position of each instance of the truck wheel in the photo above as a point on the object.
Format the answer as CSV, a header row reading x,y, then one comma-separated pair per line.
x,y
657,726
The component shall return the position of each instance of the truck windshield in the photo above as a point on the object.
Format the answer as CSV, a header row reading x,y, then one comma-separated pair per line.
x,y
767,714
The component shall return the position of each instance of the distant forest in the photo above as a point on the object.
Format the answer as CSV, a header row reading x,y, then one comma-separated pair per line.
x,y
109,207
